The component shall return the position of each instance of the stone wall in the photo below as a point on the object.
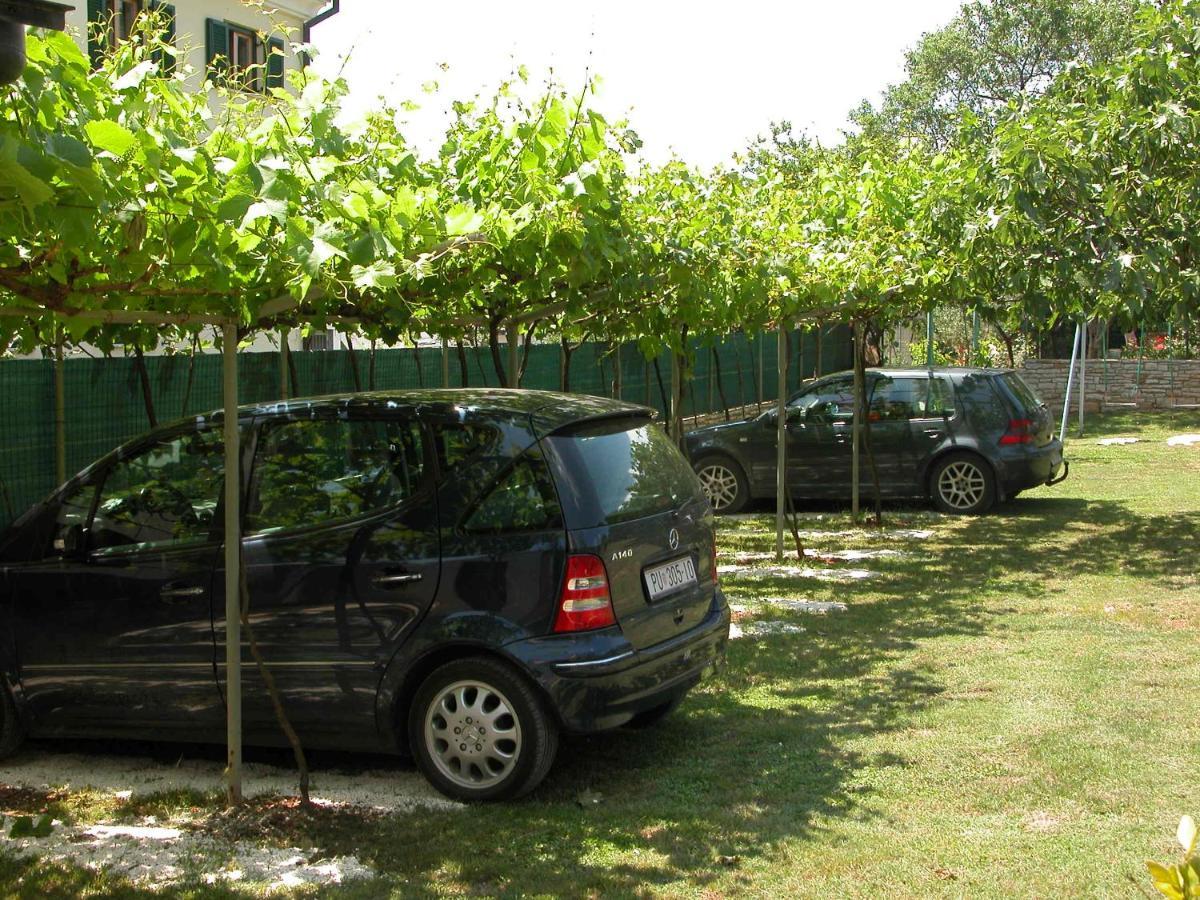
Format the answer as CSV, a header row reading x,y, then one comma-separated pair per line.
x,y
1163,383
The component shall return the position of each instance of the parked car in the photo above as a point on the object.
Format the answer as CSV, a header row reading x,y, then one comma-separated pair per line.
x,y
963,438
460,574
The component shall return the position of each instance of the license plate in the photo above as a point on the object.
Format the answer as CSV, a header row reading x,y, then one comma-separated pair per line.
x,y
670,577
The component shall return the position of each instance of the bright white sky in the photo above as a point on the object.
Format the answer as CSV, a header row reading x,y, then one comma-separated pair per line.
x,y
698,78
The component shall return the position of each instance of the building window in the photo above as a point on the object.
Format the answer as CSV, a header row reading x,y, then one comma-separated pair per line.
x,y
111,22
237,55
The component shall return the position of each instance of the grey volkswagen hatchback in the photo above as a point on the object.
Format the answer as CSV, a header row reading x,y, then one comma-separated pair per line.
x,y
963,438
461,575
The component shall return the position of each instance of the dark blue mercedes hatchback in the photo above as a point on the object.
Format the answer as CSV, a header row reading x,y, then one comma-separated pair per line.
x,y
461,575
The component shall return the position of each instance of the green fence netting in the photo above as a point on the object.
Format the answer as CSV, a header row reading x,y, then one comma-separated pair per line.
x,y
105,402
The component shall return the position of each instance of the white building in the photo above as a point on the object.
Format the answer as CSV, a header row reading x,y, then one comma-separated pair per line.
x,y
227,34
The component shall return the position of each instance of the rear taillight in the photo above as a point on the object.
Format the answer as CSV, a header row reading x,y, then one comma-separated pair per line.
x,y
585,602
1020,431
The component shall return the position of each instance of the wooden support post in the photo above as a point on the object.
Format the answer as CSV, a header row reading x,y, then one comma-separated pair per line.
x,y
929,339
617,371
676,410
514,355
284,350
233,568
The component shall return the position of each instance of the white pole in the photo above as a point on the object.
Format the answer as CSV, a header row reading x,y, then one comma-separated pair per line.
x,y
781,444
1062,429
233,566
1083,352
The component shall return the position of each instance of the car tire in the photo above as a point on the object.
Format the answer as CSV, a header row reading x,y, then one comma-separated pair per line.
x,y
12,728
514,737
962,484
724,483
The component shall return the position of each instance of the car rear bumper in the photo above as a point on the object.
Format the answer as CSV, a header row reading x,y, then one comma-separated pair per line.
x,y
1033,467
599,681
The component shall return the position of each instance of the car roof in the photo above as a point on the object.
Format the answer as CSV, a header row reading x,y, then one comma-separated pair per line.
x,y
890,371
545,411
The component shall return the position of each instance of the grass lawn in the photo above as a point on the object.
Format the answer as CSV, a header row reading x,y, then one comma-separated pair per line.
x,y
1009,708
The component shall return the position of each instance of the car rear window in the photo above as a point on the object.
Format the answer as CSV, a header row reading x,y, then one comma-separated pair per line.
x,y
1023,392
618,471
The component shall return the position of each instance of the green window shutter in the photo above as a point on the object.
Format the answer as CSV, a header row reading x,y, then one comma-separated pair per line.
x,y
97,22
216,53
275,62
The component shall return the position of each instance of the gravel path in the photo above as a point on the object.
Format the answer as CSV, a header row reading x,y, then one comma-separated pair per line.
x,y
158,854
387,790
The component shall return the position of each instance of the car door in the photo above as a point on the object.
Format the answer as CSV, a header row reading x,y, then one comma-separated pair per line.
x,y
113,624
895,401
820,428
341,559
933,424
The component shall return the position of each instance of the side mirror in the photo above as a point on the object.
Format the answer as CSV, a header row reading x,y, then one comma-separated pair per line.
x,y
796,414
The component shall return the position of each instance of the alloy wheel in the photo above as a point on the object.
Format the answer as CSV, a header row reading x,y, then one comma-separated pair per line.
x,y
962,485
472,734
720,486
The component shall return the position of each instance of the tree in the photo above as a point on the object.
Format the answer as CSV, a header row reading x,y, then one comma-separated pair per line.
x,y
991,53
1086,206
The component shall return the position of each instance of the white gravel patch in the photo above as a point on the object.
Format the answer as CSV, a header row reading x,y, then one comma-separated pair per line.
x,y
390,791
156,856
1110,442
819,607
1184,440
840,555
796,572
763,629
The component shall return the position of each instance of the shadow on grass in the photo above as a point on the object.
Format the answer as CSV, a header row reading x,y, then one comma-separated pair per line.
x,y
762,757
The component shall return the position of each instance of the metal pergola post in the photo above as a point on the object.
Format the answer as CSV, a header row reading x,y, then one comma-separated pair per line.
x,y
1083,351
781,444
445,364
233,567
856,424
60,408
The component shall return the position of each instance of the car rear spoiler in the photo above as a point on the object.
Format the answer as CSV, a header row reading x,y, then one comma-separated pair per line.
x,y
544,428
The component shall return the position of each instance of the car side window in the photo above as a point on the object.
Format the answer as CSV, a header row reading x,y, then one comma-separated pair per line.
x,y
899,399
166,494
523,499
941,398
314,471
829,402
72,515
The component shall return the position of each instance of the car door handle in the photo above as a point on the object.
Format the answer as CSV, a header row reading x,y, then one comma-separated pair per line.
x,y
396,579
934,432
